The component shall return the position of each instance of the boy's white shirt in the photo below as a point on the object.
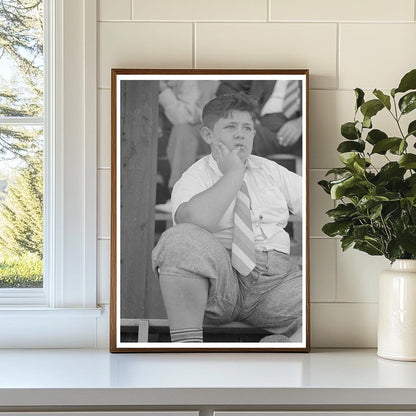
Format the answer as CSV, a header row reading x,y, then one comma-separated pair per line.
x,y
274,192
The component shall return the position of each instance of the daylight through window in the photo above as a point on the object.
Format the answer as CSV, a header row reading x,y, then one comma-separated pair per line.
x,y
21,143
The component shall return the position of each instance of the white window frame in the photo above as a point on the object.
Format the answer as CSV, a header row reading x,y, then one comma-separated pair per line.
x,y
64,313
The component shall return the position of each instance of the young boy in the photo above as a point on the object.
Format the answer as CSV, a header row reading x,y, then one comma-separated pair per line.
x,y
227,257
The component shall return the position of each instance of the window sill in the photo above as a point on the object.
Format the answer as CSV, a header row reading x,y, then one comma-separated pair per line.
x,y
35,311
40,327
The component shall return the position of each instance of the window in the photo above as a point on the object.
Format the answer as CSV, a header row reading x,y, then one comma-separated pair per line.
x,y
64,313
22,132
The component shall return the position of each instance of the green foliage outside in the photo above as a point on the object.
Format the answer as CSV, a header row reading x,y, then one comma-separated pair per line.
x,y
21,221
21,95
376,210
21,271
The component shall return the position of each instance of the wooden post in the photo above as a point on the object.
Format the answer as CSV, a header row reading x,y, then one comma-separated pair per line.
x,y
139,115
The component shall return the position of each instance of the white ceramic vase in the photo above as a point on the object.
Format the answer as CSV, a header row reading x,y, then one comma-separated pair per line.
x,y
397,312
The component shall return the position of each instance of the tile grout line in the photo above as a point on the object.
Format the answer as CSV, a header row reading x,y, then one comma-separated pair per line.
x,y
308,22
356,302
338,241
338,63
335,248
131,9
269,11
194,62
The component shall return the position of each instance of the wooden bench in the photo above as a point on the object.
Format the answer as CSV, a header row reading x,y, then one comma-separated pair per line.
x,y
145,326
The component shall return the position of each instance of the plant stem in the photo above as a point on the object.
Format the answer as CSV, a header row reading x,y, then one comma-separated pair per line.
x,y
396,119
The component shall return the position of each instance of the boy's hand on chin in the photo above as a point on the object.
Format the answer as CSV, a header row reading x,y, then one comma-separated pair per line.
x,y
227,160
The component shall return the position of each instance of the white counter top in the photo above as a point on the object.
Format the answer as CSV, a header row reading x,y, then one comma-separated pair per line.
x,y
96,377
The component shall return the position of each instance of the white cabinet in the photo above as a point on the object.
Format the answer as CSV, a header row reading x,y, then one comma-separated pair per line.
x,y
103,413
96,383
320,413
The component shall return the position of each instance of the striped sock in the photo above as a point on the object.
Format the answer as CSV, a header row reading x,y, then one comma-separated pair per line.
x,y
186,335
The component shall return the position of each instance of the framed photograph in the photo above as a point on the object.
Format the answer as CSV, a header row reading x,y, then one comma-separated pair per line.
x,y
209,211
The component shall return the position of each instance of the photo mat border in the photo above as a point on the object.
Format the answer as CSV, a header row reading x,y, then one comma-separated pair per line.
x,y
155,74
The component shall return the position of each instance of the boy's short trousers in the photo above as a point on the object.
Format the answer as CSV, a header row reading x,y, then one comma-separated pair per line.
x,y
270,297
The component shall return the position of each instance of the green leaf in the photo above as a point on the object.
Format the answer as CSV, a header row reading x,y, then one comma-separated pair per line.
x,y
411,182
408,161
336,228
385,99
338,188
393,92
349,131
391,170
346,242
345,187
359,166
398,149
338,171
342,211
407,239
383,145
411,130
408,82
359,94
375,135
374,242
369,201
368,248
361,231
402,147
325,186
348,158
371,108
375,211
393,250
367,122
408,102
350,146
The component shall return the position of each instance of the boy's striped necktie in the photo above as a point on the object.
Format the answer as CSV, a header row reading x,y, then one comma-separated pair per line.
x,y
291,100
243,254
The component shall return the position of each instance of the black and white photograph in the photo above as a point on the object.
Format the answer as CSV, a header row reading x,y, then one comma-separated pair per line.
x,y
209,210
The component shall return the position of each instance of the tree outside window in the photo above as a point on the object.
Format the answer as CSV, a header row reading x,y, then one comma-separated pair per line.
x,y
21,143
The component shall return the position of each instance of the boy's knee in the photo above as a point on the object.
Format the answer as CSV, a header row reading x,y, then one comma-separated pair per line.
x,y
183,235
187,247
182,240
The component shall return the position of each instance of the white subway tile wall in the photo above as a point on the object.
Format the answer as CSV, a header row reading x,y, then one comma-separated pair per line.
x,y
355,10
104,202
357,275
201,10
114,10
103,270
375,55
345,44
270,45
104,128
323,269
142,45
338,325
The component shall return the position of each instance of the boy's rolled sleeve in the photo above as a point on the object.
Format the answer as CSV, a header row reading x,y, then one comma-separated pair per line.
x,y
189,185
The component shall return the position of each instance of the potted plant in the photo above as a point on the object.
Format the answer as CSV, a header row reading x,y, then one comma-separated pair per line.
x,y
376,209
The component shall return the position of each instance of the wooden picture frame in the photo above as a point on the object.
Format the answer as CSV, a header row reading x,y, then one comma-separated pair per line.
x,y
139,173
